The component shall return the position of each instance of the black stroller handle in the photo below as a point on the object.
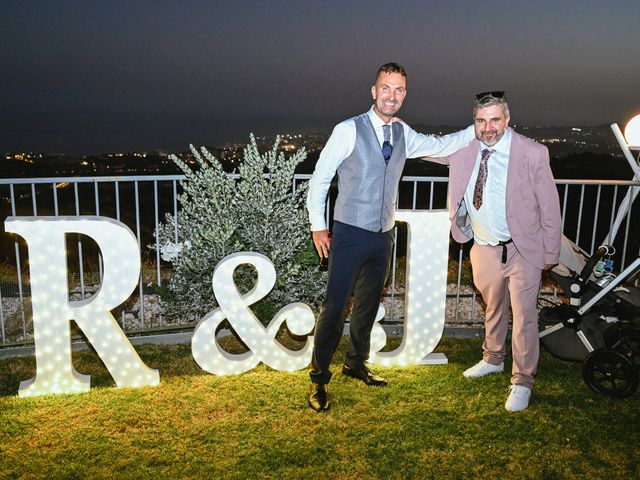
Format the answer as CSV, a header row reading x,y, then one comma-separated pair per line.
x,y
587,270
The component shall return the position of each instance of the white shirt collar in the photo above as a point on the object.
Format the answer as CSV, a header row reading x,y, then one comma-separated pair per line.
x,y
375,119
503,145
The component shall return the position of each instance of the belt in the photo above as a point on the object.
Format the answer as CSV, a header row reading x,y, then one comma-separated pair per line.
x,y
504,249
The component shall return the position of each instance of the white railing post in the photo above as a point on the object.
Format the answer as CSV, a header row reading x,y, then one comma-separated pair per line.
x,y
416,193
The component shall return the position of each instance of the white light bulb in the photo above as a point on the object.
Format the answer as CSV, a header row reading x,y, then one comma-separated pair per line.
x,y
632,133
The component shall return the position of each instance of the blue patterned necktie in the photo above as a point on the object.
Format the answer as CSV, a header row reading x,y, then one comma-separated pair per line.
x,y
387,148
482,178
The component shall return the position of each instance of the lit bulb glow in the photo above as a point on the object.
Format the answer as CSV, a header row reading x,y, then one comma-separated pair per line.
x,y
52,310
234,307
425,298
632,133
427,258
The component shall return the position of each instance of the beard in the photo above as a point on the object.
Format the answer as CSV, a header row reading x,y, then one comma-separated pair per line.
x,y
494,137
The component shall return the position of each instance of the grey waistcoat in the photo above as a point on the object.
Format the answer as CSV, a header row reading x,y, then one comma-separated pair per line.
x,y
367,188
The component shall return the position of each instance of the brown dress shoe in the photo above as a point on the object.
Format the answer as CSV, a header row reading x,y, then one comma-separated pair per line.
x,y
365,375
319,397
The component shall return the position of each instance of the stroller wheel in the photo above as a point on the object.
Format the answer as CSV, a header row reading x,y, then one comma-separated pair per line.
x,y
631,340
610,373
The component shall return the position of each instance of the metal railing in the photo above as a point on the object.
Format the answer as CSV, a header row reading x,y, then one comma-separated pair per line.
x,y
141,202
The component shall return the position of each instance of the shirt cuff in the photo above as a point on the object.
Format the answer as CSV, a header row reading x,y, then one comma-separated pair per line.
x,y
317,221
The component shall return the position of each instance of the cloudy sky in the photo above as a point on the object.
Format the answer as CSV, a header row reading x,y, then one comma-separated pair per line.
x,y
94,76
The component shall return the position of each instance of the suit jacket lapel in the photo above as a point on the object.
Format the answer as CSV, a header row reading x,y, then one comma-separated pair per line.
x,y
469,160
516,155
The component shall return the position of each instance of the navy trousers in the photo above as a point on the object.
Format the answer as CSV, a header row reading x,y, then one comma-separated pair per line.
x,y
359,263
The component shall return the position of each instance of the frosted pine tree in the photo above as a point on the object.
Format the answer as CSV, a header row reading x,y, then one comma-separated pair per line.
x,y
221,213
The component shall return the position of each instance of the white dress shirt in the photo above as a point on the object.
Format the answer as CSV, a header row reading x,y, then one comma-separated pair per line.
x,y
342,142
489,223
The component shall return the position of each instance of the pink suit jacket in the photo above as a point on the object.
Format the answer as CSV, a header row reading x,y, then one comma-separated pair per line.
x,y
533,207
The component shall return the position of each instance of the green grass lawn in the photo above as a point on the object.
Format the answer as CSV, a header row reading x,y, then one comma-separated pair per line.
x,y
430,422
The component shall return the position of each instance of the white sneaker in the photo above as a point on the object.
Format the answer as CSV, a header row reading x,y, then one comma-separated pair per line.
x,y
518,398
483,368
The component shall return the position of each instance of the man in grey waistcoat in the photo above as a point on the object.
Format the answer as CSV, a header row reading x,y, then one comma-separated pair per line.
x,y
368,153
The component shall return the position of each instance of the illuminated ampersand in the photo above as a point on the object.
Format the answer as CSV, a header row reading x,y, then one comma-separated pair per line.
x,y
235,308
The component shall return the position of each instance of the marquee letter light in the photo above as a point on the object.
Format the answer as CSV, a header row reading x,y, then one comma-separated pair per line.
x,y
235,308
425,289
52,310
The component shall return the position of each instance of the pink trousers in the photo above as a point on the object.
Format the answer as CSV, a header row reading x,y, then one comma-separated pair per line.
x,y
521,281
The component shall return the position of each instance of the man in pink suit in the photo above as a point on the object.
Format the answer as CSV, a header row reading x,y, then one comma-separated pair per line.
x,y
503,196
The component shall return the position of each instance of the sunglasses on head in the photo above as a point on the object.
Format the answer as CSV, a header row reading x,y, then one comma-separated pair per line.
x,y
489,95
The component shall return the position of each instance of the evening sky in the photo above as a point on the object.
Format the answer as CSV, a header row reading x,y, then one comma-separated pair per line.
x,y
92,76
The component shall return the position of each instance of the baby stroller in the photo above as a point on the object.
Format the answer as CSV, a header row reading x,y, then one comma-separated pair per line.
x,y
600,326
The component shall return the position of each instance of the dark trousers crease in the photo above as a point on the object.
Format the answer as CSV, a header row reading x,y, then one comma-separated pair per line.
x,y
359,263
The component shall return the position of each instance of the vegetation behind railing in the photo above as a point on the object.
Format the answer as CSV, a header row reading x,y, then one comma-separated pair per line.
x,y
588,209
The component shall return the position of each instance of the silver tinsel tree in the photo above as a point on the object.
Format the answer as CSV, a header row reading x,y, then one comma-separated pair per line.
x,y
221,213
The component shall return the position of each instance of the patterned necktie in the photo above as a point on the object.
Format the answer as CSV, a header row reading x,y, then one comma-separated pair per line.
x,y
481,181
387,148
